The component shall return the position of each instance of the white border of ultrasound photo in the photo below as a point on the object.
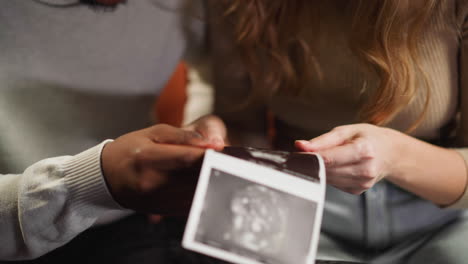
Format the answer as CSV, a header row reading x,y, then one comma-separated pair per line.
x,y
309,190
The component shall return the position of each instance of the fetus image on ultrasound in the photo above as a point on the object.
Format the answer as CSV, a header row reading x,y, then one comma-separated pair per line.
x,y
259,219
255,221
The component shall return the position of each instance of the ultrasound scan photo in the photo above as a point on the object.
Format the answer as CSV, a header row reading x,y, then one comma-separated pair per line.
x,y
255,221
256,206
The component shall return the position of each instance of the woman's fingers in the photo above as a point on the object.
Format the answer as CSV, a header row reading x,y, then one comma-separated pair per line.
x,y
211,128
352,152
354,179
356,156
336,137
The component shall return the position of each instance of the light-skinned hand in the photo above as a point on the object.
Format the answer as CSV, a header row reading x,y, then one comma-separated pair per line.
x,y
356,156
212,129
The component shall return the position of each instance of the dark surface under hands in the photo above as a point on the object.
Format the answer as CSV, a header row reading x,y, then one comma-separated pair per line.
x,y
132,240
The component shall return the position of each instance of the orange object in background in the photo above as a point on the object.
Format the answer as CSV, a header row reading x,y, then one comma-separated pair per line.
x,y
170,103
169,107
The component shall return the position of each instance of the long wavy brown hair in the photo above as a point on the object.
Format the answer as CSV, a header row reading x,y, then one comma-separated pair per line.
x,y
385,35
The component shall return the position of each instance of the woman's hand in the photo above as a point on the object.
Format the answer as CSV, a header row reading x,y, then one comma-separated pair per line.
x,y
356,156
212,129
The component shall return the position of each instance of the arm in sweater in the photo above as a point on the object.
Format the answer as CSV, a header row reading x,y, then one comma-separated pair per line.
x,y
50,203
56,199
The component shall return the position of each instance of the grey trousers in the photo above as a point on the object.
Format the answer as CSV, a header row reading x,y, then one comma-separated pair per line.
x,y
446,245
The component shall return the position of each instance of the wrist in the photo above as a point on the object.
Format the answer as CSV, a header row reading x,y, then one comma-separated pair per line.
x,y
400,152
431,172
84,179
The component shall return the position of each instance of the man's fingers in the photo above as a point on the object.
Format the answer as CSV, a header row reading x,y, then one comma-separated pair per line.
x,y
167,134
167,157
336,137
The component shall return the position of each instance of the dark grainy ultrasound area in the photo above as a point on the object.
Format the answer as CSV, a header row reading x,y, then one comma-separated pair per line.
x,y
298,164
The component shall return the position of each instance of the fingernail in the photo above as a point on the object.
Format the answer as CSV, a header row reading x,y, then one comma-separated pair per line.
x,y
197,135
304,142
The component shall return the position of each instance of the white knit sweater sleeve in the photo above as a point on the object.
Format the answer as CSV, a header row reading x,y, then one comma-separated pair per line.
x,y
50,203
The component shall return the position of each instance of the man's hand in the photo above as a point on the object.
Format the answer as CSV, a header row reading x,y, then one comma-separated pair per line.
x,y
154,169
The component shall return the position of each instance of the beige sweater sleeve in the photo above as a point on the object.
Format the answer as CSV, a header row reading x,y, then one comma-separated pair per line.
x,y
51,202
